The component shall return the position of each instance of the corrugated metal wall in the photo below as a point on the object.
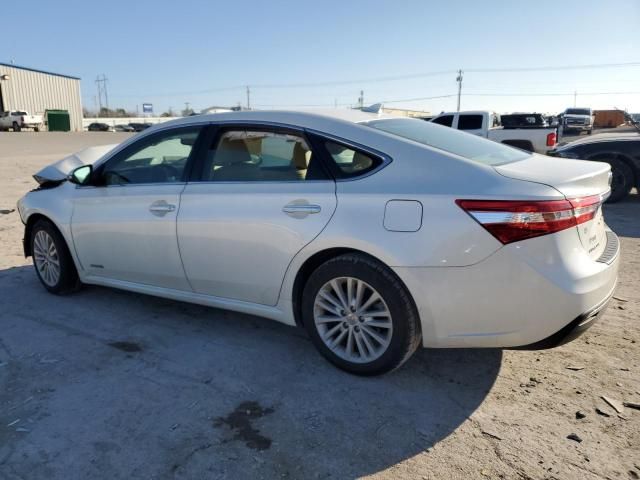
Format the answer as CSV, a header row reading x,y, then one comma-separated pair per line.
x,y
38,91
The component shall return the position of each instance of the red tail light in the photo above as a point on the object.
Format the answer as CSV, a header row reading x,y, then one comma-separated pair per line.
x,y
514,220
551,139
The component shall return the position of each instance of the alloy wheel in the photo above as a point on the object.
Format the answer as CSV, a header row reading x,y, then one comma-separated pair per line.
x,y
353,320
46,258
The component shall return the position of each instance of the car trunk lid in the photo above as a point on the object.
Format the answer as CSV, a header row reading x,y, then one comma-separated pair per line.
x,y
582,182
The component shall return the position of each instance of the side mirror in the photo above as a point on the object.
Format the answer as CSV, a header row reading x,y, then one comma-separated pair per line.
x,y
81,175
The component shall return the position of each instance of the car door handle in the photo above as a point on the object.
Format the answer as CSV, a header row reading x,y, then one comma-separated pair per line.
x,y
161,208
301,209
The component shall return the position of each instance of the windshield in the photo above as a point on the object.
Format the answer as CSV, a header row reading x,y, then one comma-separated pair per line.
x,y
444,138
577,111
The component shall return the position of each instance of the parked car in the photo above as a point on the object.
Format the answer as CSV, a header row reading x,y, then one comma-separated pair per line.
x,y
377,237
20,119
487,124
99,127
139,127
123,128
580,119
621,151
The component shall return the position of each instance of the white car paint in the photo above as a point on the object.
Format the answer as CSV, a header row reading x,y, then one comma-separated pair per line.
x,y
232,246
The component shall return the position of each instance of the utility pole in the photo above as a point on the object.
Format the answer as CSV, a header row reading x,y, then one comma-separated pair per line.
x,y
575,98
106,96
459,80
187,106
361,99
101,84
248,98
99,88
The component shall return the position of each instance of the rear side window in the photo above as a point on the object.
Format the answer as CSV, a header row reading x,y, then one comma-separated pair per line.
x,y
469,122
446,120
349,162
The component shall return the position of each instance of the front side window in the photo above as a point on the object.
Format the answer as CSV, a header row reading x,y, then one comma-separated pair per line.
x,y
161,158
469,122
252,155
446,120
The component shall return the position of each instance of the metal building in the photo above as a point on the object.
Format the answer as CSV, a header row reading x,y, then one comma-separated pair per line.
x,y
37,91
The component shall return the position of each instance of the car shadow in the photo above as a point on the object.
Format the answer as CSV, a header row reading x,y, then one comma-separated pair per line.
x,y
142,386
623,217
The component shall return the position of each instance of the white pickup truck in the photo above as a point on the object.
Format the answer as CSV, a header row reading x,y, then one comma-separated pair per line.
x,y
487,124
19,119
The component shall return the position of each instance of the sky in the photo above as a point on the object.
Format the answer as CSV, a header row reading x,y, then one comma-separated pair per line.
x,y
296,54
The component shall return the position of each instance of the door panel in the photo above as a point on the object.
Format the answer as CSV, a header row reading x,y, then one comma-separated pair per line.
x,y
129,233
237,239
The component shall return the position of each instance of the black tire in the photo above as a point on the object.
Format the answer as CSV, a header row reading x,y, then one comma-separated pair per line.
x,y
623,178
589,132
16,127
406,335
68,280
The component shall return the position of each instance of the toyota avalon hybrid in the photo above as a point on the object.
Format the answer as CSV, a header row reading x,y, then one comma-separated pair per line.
x,y
377,235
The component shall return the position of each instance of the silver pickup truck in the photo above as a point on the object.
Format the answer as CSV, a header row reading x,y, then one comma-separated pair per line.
x,y
487,124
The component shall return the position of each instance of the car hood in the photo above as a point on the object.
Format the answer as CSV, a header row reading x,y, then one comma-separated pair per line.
x,y
58,171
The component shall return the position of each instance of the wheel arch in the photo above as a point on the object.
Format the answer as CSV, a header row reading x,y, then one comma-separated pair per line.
x,y
603,156
521,144
317,259
31,221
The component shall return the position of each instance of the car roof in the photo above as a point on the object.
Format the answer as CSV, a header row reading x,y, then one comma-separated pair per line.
x,y
300,118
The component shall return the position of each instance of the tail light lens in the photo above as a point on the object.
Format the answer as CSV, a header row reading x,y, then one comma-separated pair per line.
x,y
513,220
551,139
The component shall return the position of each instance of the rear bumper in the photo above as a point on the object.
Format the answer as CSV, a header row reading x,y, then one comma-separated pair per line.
x,y
570,331
538,291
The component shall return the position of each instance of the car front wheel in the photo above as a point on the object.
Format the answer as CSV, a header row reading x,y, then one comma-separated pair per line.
x,y
52,260
360,316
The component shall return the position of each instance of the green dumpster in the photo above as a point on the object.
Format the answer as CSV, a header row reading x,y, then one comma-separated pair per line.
x,y
58,121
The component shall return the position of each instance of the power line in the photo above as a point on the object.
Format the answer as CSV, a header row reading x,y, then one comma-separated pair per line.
x,y
390,78
552,68
546,94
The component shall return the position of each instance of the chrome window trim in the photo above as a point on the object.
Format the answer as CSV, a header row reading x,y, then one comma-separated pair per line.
x,y
386,159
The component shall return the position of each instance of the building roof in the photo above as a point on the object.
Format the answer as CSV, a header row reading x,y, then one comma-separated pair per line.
x,y
2,64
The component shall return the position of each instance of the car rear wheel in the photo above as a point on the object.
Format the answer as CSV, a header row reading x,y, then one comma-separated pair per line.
x,y
360,316
52,260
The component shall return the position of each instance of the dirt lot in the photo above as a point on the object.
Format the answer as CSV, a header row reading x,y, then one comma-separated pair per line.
x,y
108,384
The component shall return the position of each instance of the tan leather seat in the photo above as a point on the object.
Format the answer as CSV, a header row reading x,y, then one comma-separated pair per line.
x,y
233,161
300,160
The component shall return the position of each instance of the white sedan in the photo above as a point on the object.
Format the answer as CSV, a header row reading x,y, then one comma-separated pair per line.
x,y
377,235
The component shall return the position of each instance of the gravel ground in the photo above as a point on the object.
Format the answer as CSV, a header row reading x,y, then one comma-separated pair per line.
x,y
108,384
